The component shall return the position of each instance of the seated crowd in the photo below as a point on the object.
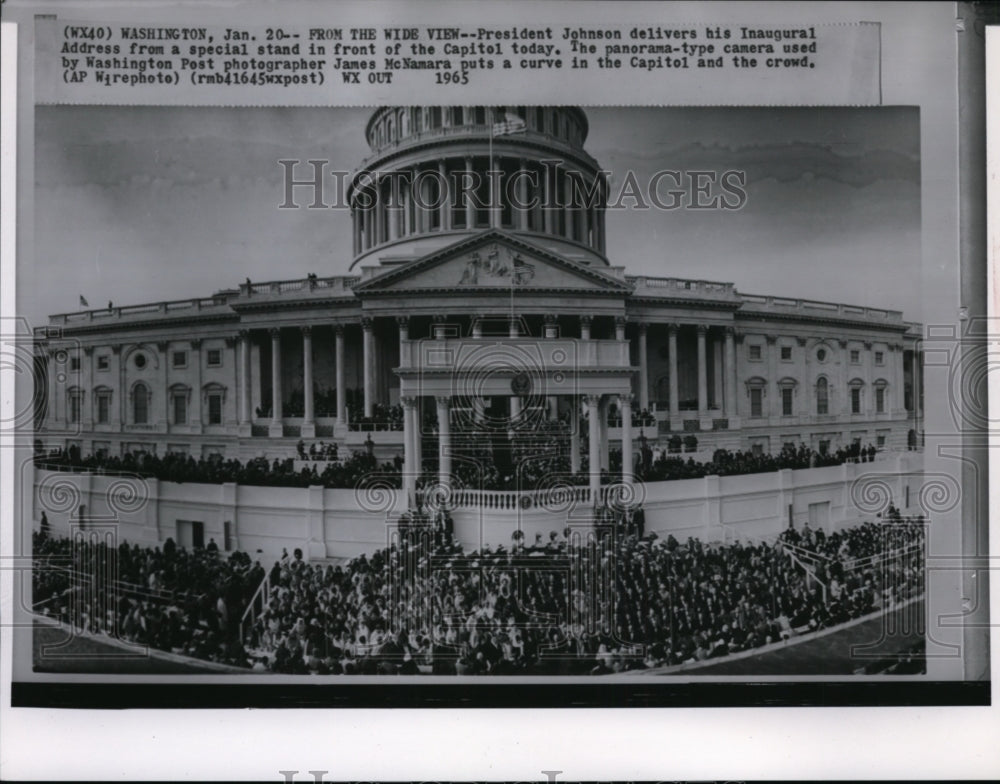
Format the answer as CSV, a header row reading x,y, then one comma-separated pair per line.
x,y
535,458
423,605
215,469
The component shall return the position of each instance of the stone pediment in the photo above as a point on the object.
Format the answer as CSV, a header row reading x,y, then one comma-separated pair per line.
x,y
493,260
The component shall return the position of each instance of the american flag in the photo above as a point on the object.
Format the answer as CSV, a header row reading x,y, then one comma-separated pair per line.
x,y
510,124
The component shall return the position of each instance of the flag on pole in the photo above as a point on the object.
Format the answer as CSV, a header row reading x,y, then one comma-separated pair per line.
x,y
83,302
510,124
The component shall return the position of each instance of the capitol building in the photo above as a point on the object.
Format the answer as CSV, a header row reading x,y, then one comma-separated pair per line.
x,y
465,310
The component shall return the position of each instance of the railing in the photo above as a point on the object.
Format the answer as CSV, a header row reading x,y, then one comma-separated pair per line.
x,y
251,613
338,282
685,287
761,302
473,355
166,307
471,130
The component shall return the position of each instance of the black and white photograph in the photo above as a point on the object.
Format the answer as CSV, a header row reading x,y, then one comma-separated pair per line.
x,y
339,377
472,428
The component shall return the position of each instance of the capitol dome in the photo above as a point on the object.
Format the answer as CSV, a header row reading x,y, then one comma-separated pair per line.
x,y
427,183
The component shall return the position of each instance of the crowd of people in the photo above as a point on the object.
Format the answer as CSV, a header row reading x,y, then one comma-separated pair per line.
x,y
660,467
183,601
215,469
423,605
525,461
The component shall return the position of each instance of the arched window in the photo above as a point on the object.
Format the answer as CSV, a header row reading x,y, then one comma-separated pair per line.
x,y
140,404
822,397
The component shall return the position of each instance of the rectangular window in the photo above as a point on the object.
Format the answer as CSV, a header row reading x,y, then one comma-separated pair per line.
x,y
856,400
880,400
74,363
757,449
103,362
880,440
214,357
180,359
215,409
180,410
879,358
824,447
855,356
74,409
754,352
103,408
756,398
786,401
786,353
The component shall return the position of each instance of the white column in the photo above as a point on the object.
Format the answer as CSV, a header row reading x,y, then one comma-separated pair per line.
x,y
619,328
918,388
585,327
444,197
730,391
470,211
477,329
379,211
643,368
551,332
495,213
702,373
408,204
515,401
339,374
602,410
308,414
444,440
418,438
574,434
275,428
568,208
245,406
368,365
625,405
522,195
594,470
409,474
675,403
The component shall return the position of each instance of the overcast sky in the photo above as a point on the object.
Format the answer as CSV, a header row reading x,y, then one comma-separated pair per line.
x,y
138,204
